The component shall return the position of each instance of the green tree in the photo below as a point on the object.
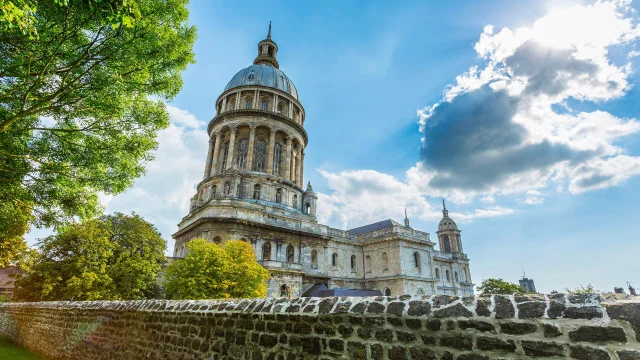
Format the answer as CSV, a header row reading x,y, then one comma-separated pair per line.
x,y
499,286
211,271
589,289
115,257
82,104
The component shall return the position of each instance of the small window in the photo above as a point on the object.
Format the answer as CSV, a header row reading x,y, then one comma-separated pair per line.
x,y
420,291
279,196
280,109
307,208
213,191
251,77
385,261
448,276
416,259
238,191
248,103
256,191
266,251
290,254
367,263
438,274
295,201
227,188
387,292
456,276
284,291
334,259
314,257
264,105
353,262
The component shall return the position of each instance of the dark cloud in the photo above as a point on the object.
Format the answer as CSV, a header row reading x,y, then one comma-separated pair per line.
x,y
548,69
592,181
473,143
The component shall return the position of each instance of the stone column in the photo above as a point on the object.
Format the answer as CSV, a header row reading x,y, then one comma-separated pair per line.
x,y
256,102
294,171
252,136
275,102
207,167
237,101
301,174
216,151
287,160
290,110
224,104
232,141
272,145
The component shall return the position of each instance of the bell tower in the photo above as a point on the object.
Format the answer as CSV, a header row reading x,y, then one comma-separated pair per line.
x,y
267,51
448,233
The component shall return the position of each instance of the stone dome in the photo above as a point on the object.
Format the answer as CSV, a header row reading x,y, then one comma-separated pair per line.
x,y
263,75
447,223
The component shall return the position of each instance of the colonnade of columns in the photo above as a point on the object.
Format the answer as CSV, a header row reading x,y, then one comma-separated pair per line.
x,y
237,102
292,158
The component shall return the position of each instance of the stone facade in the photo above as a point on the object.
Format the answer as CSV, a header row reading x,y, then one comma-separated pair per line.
x,y
252,190
439,327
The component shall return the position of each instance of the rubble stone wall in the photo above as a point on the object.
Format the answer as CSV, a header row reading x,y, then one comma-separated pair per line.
x,y
438,327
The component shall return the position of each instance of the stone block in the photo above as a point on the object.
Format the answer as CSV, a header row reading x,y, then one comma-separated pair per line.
x,y
419,308
422,353
358,308
587,353
365,333
345,331
311,345
504,308
377,352
531,310
551,330
357,350
628,355
542,348
457,341
434,324
405,336
476,324
471,356
325,306
375,308
457,310
384,335
413,323
336,344
598,334
518,328
626,311
487,343
482,307
428,339
397,352
395,308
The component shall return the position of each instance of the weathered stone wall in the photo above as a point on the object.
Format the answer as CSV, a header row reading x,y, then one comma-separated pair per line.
x,y
440,327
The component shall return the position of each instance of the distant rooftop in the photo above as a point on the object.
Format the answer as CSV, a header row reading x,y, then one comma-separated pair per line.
x,y
384,224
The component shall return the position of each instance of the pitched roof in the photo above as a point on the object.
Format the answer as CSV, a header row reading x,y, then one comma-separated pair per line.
x,y
373,227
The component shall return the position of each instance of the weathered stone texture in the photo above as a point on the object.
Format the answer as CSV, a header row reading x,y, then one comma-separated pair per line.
x,y
385,328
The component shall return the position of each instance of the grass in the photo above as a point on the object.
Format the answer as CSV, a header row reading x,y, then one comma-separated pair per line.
x,y
10,351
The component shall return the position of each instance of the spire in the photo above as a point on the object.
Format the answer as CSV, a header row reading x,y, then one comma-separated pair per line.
x,y
406,219
445,212
269,34
267,51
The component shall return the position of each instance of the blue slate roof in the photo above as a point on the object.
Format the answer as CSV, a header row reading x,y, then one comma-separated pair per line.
x,y
384,224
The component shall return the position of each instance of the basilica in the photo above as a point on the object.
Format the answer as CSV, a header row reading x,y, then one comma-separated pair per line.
x,y
253,190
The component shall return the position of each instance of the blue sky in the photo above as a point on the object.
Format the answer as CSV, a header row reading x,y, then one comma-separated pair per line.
x,y
536,150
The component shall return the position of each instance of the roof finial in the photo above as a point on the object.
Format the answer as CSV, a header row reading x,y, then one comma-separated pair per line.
x,y
406,219
269,34
405,213
444,207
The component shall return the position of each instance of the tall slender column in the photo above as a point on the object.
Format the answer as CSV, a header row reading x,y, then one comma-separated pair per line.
x,y
300,166
256,102
290,115
232,141
287,160
294,172
207,167
224,104
237,101
252,136
272,145
300,177
216,151
275,103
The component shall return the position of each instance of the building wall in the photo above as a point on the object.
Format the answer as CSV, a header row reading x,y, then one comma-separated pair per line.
x,y
441,327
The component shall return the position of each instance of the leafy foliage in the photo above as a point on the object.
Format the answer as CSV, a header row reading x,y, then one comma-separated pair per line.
x,y
499,286
589,289
211,271
116,257
81,103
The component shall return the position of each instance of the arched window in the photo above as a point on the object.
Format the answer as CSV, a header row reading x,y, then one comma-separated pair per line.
x,y
280,108
353,262
227,188
314,257
238,191
307,208
290,254
387,292
217,240
447,244
264,105
266,251
231,104
367,263
284,291
225,155
243,150
277,152
385,261
272,51
295,201
448,276
416,259
279,196
213,191
420,291
248,102
334,259
437,273
456,276
256,191
260,156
